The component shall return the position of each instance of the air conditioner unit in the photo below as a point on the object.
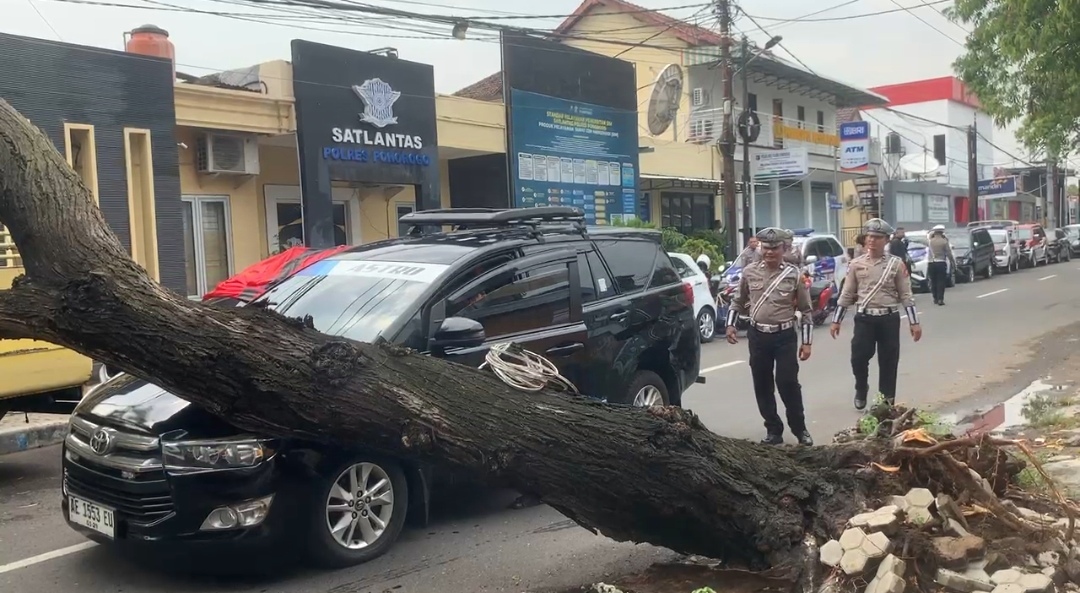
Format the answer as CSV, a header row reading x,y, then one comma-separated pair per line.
x,y
698,97
233,154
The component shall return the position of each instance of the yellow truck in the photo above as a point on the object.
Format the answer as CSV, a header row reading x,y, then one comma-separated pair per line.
x,y
36,376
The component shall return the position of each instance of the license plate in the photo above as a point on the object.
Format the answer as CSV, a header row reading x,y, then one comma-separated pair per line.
x,y
92,516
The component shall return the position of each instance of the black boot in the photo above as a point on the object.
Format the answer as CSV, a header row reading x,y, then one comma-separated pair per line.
x,y
860,401
773,439
804,438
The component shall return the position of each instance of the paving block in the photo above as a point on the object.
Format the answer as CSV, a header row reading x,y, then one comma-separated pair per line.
x,y
892,564
876,545
920,497
1006,577
861,520
889,509
899,502
831,553
886,583
852,538
1008,588
854,562
961,582
1036,583
882,522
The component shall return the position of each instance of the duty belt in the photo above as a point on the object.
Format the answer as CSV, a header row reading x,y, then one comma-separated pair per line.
x,y
772,328
879,311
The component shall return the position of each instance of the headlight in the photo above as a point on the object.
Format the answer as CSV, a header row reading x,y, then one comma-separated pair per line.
x,y
214,454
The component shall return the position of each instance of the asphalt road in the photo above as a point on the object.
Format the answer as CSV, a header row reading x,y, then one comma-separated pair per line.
x,y
974,349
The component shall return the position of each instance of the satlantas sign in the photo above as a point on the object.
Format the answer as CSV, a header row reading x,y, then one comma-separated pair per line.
x,y
379,146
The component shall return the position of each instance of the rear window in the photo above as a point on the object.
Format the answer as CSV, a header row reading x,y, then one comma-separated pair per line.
x,y
631,263
1022,233
683,268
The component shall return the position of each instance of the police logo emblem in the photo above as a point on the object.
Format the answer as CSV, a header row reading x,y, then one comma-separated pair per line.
x,y
379,98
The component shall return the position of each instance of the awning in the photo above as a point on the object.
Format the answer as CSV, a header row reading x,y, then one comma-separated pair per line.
x,y
677,178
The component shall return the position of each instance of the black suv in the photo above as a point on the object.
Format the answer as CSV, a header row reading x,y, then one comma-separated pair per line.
x,y
974,252
144,468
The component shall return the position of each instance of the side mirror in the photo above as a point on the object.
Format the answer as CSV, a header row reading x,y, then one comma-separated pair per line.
x,y
811,259
458,332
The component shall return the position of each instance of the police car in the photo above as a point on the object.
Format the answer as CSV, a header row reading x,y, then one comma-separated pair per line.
x,y
823,256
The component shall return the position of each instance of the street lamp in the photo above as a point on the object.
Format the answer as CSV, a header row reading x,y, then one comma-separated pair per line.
x,y
747,134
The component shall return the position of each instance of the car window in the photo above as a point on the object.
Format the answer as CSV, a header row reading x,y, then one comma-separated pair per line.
x,y
812,247
982,237
835,249
533,299
664,272
355,299
1060,234
630,262
1039,233
595,284
683,268
999,236
1023,234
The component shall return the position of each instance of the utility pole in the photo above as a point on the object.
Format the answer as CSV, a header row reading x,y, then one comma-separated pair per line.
x,y
973,173
727,141
744,58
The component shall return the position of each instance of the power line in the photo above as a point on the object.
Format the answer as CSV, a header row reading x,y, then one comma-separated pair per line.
x,y
960,128
674,23
926,22
806,19
44,20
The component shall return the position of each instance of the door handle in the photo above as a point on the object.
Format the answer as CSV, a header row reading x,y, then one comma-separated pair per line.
x,y
620,316
565,349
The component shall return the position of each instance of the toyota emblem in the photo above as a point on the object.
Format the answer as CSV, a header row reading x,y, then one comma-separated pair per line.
x,y
102,442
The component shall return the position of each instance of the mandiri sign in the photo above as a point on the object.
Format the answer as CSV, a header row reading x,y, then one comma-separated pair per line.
x,y
999,187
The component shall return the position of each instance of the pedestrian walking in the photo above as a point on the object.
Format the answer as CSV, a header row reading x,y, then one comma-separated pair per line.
x,y
939,259
878,286
899,246
752,253
770,292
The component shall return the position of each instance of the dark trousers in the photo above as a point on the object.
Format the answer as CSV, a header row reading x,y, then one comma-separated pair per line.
x,y
777,353
937,273
883,335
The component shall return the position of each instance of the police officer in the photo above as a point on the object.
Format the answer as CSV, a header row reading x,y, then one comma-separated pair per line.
x,y
769,293
792,254
878,286
752,253
940,258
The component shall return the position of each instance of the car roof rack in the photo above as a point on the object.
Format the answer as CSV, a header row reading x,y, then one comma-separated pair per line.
x,y
494,218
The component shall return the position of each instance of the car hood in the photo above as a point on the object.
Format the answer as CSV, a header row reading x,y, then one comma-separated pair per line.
x,y
130,403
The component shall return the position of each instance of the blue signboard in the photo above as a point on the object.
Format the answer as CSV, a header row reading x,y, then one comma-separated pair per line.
x,y
999,187
568,153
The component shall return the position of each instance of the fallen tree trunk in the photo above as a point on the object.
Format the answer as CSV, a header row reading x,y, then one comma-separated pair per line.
x,y
654,475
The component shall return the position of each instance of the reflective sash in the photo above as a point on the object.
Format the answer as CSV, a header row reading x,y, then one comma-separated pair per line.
x,y
881,282
769,290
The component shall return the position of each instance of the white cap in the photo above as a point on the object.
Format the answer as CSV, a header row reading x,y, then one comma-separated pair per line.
x,y
938,227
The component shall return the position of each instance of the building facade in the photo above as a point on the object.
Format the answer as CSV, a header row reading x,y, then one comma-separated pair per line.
x,y
111,115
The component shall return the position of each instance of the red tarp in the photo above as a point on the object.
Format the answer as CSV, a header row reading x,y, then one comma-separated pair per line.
x,y
256,278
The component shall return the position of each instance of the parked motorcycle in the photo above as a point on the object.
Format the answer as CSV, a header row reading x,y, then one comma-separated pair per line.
x,y
823,296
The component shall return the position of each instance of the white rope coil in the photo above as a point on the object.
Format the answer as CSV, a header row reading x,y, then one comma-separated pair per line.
x,y
524,370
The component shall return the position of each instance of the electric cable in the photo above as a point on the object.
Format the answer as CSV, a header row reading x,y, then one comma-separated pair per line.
x,y
780,44
926,22
674,23
525,370
805,19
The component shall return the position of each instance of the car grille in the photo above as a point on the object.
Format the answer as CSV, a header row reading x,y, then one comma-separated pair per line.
x,y
144,506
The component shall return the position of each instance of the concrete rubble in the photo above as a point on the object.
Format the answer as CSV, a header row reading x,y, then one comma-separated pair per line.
x,y
864,552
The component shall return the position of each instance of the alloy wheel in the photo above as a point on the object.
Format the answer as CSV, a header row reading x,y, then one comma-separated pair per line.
x,y
706,325
648,397
360,505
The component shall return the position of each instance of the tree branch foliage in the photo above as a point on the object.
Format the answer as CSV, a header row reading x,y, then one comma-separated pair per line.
x,y
1022,62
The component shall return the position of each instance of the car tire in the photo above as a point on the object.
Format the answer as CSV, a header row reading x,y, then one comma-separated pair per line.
x,y
970,277
989,271
647,389
327,550
706,321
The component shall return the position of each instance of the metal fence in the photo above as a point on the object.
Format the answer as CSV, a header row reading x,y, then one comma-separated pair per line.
x,y
9,258
848,234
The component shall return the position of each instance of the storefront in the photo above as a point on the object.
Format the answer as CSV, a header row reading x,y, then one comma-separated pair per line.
x,y
367,142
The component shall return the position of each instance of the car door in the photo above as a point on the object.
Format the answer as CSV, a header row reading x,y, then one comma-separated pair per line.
x,y
982,250
534,301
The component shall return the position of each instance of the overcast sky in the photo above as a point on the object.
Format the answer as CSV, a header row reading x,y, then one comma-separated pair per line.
x,y
870,51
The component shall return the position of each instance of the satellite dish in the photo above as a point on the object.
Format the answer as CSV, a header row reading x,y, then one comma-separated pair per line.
x,y
664,101
920,164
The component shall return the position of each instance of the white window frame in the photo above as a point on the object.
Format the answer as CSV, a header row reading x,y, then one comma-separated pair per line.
x,y
290,194
904,202
197,236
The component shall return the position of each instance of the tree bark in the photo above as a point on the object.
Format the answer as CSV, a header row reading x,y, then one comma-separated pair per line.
x,y
655,475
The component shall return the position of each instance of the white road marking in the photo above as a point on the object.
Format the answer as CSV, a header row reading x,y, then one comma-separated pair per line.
x,y
982,296
20,564
1048,277
721,366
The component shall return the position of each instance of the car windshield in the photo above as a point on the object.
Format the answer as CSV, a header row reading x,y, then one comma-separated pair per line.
x,y
959,241
1072,232
918,241
1023,234
353,299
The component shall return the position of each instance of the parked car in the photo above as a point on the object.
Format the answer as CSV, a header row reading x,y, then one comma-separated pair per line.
x,y
973,249
1006,250
146,469
918,252
1032,240
704,303
1072,235
1058,248
824,258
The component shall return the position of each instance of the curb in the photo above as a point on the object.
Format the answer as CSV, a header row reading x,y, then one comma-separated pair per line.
x,y
32,436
